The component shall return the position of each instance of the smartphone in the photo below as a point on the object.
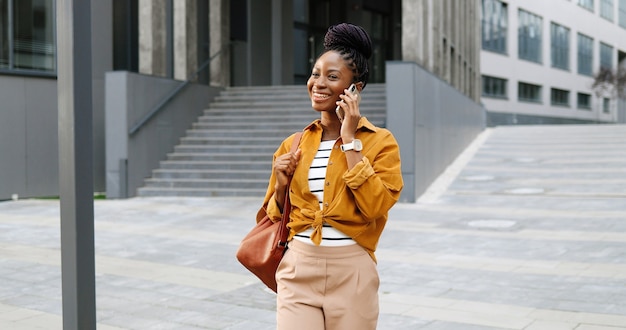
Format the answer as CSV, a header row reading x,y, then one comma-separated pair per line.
x,y
340,113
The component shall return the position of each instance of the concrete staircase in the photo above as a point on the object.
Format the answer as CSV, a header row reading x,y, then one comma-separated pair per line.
x,y
228,151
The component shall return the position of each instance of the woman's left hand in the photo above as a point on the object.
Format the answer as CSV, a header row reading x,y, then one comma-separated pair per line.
x,y
350,105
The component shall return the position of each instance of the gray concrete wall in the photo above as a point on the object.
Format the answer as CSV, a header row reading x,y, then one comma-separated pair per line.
x,y
129,96
29,165
102,57
432,121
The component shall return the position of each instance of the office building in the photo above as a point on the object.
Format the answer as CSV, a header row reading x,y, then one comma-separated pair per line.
x,y
539,59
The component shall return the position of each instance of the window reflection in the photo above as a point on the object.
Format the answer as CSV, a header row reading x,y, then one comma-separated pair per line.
x,y
27,31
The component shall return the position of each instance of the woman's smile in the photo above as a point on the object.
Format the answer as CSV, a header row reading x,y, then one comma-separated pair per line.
x,y
319,97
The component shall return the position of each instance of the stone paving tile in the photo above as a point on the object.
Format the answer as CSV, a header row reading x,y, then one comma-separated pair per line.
x,y
398,322
439,325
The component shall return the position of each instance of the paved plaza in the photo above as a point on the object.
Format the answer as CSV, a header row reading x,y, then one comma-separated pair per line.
x,y
525,230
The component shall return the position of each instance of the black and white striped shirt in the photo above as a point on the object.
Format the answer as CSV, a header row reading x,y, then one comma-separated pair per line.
x,y
317,178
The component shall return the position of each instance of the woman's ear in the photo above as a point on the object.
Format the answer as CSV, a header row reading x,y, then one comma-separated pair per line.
x,y
359,86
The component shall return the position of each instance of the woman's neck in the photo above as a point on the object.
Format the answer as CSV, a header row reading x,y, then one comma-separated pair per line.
x,y
331,126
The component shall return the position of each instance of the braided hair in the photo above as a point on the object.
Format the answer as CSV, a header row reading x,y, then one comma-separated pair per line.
x,y
354,45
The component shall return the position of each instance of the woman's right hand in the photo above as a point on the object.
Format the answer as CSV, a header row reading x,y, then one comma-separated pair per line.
x,y
284,166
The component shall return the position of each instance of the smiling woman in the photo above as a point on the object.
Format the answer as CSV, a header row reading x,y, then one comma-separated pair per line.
x,y
345,178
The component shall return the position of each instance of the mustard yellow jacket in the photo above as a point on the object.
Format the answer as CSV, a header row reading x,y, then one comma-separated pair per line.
x,y
356,202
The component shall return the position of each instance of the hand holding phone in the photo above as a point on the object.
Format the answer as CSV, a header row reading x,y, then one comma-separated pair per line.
x,y
340,112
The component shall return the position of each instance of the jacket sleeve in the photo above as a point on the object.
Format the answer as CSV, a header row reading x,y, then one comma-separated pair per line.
x,y
269,202
376,181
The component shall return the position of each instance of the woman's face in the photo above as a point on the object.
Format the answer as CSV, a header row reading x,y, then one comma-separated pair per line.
x,y
329,78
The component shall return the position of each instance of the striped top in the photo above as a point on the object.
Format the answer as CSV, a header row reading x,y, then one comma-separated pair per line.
x,y
317,178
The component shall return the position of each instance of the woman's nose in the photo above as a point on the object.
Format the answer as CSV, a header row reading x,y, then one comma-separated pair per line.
x,y
319,82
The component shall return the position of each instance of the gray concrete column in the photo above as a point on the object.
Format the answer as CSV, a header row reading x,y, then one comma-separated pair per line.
x,y
413,12
282,42
219,42
152,37
185,38
418,44
477,46
443,36
259,44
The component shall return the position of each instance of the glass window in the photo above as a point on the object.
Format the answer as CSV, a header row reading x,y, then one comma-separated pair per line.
x,y
28,35
606,56
4,34
301,56
584,101
529,36
606,9
622,13
494,25
585,55
559,97
494,87
301,11
529,92
587,4
606,105
560,46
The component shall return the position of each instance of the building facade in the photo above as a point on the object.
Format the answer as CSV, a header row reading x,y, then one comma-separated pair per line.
x,y
539,58
239,42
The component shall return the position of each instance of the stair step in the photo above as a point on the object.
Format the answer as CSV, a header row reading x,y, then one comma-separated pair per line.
x,y
233,140
226,148
260,183
228,133
210,174
224,157
263,97
282,126
214,165
303,119
200,192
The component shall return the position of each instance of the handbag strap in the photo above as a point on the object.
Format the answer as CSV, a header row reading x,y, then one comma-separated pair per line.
x,y
287,204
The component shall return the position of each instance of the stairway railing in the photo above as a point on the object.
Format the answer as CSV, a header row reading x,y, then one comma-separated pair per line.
x,y
157,108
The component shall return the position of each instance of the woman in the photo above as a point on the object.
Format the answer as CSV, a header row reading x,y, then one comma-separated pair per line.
x,y
345,177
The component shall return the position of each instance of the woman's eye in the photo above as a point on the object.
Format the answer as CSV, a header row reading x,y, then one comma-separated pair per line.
x,y
314,74
332,77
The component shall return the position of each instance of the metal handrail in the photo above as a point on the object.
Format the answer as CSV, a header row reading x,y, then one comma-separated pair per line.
x,y
147,117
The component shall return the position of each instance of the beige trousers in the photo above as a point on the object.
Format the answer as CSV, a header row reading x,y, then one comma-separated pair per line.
x,y
331,288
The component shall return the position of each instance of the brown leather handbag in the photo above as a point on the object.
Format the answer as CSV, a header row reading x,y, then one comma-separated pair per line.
x,y
263,248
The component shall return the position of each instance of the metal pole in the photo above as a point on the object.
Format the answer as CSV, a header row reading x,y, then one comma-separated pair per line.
x,y
76,163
